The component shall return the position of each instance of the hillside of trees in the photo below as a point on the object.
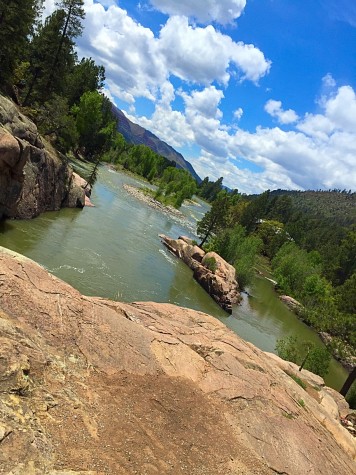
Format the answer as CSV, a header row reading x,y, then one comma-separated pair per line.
x,y
309,238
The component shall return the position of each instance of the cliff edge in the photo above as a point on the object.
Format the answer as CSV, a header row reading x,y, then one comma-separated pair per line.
x,y
91,386
33,178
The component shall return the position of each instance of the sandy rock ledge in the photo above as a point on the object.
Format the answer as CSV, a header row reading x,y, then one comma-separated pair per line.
x,y
91,386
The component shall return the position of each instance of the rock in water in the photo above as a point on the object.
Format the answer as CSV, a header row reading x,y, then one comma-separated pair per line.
x,y
91,386
210,270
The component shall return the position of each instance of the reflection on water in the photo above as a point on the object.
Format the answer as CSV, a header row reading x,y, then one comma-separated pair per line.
x,y
113,251
262,319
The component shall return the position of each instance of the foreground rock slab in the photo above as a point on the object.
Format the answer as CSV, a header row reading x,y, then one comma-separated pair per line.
x,y
91,386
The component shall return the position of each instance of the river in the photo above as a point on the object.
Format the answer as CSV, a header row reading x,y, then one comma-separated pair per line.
x,y
113,251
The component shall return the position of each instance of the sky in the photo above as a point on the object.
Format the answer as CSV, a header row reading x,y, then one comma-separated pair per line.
x,y
261,92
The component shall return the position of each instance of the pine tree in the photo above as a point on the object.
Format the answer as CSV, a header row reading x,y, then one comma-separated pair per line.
x,y
72,28
216,218
86,76
42,49
17,19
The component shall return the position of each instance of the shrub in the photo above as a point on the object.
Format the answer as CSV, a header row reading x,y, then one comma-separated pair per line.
x,y
210,263
297,380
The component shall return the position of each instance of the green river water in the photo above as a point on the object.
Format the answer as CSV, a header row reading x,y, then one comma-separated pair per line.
x,y
113,251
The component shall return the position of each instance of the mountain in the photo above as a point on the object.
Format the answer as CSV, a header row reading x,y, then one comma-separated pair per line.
x,y
137,135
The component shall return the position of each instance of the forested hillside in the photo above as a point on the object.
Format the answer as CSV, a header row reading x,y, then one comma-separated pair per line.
x,y
309,238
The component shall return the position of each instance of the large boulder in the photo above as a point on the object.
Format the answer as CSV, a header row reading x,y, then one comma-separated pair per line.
x,y
211,271
12,161
33,179
93,386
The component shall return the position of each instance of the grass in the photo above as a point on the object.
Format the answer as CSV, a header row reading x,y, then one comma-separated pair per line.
x,y
301,402
287,415
299,381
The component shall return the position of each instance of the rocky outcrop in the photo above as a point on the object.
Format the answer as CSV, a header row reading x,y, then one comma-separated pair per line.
x,y
292,304
212,272
341,351
33,178
92,386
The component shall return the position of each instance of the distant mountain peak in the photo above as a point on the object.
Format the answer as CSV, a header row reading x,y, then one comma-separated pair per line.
x,y
138,135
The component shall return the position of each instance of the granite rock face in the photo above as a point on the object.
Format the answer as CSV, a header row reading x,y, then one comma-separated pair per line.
x,y
32,178
91,386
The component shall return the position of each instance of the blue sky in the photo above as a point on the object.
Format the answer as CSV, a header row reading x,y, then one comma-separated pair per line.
x,y
261,92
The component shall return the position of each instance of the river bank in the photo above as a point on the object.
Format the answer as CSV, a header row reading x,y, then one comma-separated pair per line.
x,y
149,200
340,350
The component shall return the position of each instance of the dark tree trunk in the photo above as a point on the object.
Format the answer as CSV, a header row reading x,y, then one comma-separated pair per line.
x,y
348,383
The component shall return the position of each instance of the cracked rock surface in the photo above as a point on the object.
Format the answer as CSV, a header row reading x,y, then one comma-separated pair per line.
x,y
91,386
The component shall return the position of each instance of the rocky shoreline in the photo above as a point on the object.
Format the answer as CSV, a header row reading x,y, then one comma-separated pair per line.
x,y
150,201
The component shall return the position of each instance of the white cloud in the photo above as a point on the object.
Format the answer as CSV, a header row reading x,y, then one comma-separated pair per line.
x,y
204,55
127,50
320,153
317,126
341,109
274,109
339,115
238,113
48,8
204,103
204,11
169,125
328,81
138,63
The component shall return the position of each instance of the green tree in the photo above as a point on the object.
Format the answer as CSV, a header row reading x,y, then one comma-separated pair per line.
x,y
209,190
17,20
305,354
347,253
346,295
43,47
255,211
318,361
246,259
86,76
54,119
273,236
216,218
175,186
95,124
288,349
72,28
